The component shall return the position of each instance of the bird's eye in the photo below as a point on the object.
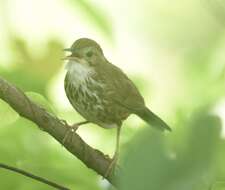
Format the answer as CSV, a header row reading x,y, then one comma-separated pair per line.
x,y
89,53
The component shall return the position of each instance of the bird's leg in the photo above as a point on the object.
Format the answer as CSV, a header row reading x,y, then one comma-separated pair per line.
x,y
115,156
72,129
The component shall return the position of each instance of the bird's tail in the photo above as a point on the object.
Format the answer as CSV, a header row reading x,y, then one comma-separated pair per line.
x,y
152,119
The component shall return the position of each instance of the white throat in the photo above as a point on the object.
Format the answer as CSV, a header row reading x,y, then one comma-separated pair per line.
x,y
79,72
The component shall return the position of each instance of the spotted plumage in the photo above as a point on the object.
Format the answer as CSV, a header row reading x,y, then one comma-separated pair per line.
x,y
100,91
89,95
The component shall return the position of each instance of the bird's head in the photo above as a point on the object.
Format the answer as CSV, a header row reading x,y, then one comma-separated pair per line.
x,y
85,51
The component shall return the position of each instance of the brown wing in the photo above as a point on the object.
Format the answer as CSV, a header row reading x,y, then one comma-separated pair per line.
x,y
120,88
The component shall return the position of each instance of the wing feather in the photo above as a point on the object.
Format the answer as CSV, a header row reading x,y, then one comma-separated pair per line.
x,y
120,88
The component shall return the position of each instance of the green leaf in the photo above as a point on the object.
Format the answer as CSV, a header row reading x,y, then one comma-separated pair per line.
x,y
41,101
151,164
7,114
218,186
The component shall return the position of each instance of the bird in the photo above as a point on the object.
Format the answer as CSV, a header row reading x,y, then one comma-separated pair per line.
x,y
102,93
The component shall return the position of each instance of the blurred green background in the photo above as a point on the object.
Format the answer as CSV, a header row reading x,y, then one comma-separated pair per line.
x,y
172,50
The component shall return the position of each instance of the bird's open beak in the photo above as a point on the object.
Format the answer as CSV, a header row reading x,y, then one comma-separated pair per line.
x,y
73,56
69,56
66,58
67,49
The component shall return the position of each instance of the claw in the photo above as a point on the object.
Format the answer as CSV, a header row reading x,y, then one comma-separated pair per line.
x,y
71,130
111,166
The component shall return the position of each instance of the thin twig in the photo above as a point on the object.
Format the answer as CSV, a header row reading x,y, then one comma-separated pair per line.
x,y
37,178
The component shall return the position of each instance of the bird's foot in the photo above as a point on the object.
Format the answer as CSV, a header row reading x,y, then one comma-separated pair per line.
x,y
111,166
71,130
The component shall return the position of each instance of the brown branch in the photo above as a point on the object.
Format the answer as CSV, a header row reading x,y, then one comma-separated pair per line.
x,y
37,178
91,157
